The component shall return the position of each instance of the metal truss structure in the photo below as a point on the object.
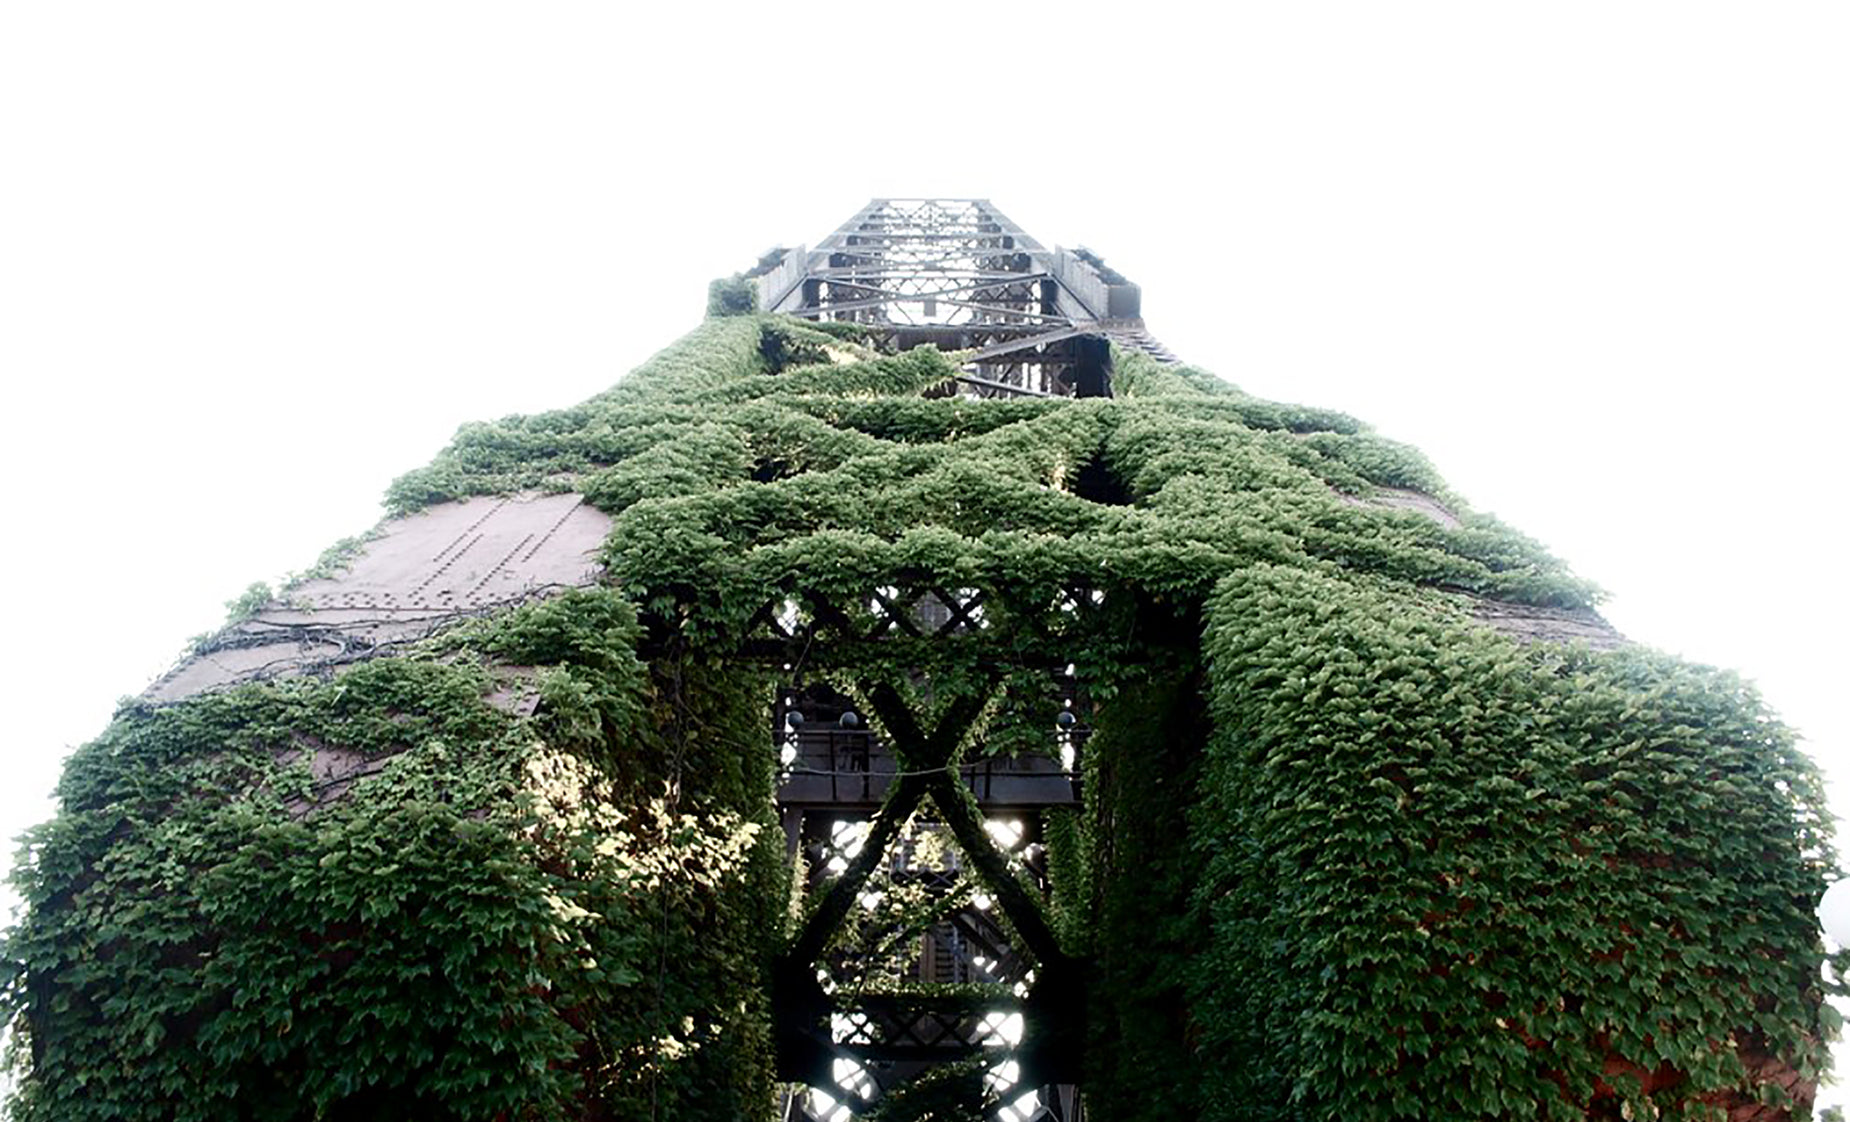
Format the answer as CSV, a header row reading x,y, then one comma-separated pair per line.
x,y
957,273
927,980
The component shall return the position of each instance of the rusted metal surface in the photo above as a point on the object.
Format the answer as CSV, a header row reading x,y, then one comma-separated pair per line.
x,y
1531,623
332,769
419,574
1402,498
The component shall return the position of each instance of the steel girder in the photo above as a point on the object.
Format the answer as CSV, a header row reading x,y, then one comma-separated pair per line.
x,y
958,274
992,1015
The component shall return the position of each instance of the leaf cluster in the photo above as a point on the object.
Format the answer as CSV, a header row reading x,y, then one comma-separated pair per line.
x,y
1345,854
382,896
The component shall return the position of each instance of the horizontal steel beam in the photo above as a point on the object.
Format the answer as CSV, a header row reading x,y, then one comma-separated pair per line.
x,y
996,350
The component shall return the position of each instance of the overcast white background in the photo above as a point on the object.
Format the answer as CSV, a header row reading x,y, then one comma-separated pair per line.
x,y
257,259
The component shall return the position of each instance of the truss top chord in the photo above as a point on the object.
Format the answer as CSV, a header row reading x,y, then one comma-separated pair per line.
x,y
960,274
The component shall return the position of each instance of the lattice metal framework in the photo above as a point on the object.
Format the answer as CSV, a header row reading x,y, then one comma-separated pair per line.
x,y
959,274
926,980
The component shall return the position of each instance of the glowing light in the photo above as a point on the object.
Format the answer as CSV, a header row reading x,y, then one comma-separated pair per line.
x,y
853,1078
1002,1027
1003,1076
1007,832
1021,1109
848,838
823,1106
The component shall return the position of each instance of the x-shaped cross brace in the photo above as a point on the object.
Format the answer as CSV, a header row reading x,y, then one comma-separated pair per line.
x,y
930,773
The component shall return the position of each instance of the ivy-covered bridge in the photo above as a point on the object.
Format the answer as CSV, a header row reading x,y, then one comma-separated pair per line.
x,y
915,695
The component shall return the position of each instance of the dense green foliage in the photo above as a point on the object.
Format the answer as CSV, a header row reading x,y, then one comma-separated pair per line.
x,y
1449,877
731,296
1142,777
381,897
1348,854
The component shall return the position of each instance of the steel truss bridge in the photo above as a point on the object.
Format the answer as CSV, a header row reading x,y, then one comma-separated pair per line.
x,y
958,274
927,979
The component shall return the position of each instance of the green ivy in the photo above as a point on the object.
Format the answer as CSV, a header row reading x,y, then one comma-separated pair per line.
x,y
1346,853
736,295
1445,876
468,918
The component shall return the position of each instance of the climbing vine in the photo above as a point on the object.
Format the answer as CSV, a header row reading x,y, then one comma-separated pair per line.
x,y
1347,852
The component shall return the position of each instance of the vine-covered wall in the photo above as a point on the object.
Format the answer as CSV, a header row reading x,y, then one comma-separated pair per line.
x,y
383,897
1349,852
1445,874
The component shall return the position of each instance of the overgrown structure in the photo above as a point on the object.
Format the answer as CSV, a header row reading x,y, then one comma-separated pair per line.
x,y
924,698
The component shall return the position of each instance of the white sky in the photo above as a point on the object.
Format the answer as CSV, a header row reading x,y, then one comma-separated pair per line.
x,y
257,259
